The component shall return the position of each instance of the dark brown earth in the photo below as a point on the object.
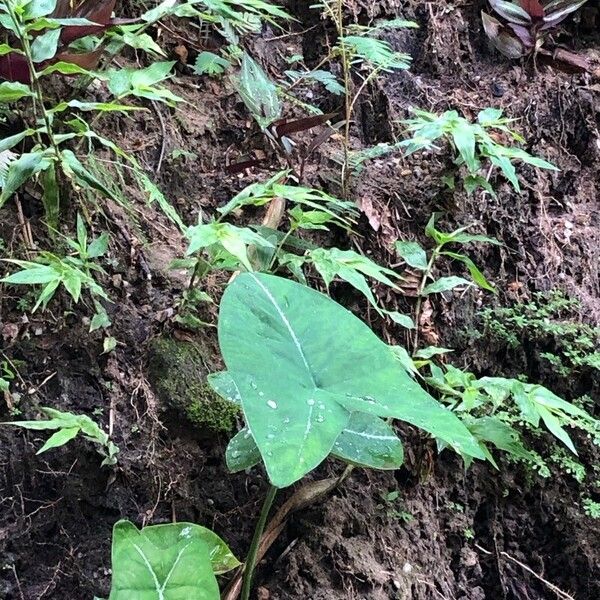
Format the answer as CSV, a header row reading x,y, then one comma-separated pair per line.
x,y
451,535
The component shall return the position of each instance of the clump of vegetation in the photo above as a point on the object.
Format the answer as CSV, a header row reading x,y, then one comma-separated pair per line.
x,y
178,373
305,379
525,29
67,427
549,321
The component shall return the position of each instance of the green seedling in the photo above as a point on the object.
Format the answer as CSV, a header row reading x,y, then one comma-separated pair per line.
x,y
68,426
493,408
75,272
314,380
476,144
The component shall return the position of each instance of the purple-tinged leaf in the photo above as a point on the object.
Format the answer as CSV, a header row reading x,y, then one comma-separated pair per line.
x,y
558,10
533,8
503,38
513,13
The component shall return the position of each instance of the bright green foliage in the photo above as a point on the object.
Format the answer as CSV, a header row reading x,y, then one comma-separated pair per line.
x,y
210,64
217,238
378,54
74,273
326,78
473,144
303,365
176,561
493,406
261,248
68,426
416,257
591,508
551,321
143,83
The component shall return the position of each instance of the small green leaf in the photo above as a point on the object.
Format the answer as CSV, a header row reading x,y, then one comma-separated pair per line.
x,y
403,320
477,276
413,254
44,46
242,452
60,438
20,171
11,91
444,284
210,64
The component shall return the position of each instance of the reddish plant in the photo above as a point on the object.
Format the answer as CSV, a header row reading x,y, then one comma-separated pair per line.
x,y
525,28
13,66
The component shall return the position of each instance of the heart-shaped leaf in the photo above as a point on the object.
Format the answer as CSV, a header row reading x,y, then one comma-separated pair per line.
x,y
167,562
303,364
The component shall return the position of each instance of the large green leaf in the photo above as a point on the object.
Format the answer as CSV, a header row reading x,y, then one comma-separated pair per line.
x,y
302,364
167,562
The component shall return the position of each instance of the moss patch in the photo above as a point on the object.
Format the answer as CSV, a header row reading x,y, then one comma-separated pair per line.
x,y
178,374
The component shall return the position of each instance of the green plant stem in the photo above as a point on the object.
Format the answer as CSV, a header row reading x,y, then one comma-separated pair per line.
x,y
258,531
279,248
35,82
347,96
422,285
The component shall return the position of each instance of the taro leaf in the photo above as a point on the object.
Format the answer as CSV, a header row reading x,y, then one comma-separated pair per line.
x,y
511,12
302,364
413,254
369,441
167,562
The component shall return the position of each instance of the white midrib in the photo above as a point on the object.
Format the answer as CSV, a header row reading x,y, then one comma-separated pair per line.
x,y
160,589
370,436
298,346
288,326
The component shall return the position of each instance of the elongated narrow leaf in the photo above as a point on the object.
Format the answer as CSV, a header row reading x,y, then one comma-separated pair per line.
x,y
167,562
11,91
445,284
303,364
20,170
60,438
558,10
511,12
